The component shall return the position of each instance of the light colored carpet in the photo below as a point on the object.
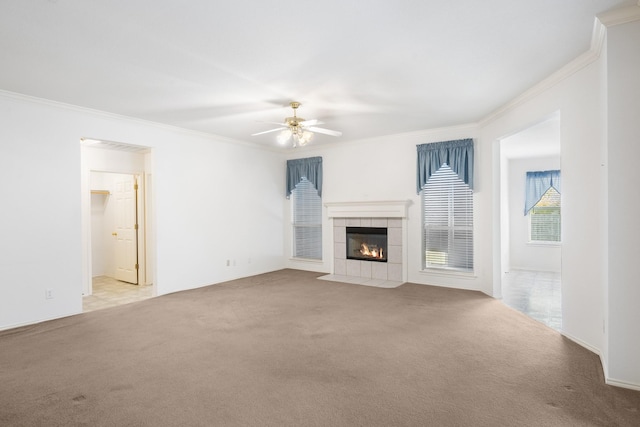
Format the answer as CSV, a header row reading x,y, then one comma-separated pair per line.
x,y
286,349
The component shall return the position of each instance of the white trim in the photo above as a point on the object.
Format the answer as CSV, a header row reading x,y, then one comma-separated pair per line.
x,y
35,322
563,73
466,130
448,273
582,343
607,379
610,18
543,244
380,209
100,113
598,36
621,384
307,260
619,16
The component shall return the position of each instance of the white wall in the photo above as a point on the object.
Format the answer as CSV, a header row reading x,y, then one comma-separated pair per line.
x,y
385,169
578,98
216,202
524,255
624,203
40,215
204,189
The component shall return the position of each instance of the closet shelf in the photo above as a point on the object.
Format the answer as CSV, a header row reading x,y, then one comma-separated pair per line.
x,y
105,192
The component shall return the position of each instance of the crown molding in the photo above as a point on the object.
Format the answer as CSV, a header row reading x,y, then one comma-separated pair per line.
x,y
598,36
563,73
620,16
99,113
603,21
466,130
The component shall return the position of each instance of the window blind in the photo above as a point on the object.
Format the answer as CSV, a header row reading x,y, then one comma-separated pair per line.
x,y
447,221
545,219
307,221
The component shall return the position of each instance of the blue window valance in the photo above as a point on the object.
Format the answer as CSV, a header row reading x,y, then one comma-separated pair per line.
x,y
538,183
310,168
457,154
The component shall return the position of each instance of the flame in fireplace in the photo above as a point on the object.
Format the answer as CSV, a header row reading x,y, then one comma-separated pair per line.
x,y
373,253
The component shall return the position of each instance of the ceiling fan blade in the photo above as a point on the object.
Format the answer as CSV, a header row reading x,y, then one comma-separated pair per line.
x,y
272,123
311,122
325,131
268,131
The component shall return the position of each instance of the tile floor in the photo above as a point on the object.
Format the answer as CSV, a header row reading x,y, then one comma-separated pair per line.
x,y
536,294
109,292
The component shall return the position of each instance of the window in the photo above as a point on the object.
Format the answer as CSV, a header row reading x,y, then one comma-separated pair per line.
x,y
307,221
544,218
447,221
542,205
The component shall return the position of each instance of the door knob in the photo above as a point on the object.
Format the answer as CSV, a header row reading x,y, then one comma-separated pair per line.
x,y
114,234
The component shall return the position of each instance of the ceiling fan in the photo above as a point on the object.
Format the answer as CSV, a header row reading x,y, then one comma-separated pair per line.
x,y
298,130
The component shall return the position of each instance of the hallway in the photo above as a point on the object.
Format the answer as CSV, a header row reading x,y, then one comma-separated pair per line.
x,y
536,294
109,292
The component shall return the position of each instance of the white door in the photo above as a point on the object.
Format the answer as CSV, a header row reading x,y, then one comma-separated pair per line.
x,y
126,226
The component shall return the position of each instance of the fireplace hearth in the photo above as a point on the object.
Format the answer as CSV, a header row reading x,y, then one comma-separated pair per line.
x,y
366,243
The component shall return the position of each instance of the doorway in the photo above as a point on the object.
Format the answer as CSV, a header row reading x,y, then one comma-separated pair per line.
x,y
530,267
114,225
116,231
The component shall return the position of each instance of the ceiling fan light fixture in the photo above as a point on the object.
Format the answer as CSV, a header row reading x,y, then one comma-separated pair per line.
x,y
306,137
284,136
298,130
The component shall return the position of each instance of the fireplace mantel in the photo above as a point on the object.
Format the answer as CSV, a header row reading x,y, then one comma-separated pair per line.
x,y
379,209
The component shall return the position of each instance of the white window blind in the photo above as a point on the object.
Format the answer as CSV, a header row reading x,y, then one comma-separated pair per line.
x,y
307,221
544,218
447,221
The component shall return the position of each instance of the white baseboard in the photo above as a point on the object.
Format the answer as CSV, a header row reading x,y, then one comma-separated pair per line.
x,y
621,384
603,363
35,322
583,344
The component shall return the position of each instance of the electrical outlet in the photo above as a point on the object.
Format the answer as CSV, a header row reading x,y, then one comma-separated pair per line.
x,y
228,262
48,293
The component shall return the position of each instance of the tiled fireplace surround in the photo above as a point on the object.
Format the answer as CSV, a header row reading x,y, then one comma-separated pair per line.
x,y
389,214
390,270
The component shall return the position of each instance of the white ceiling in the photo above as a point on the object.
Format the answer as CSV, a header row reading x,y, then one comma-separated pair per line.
x,y
366,69
539,140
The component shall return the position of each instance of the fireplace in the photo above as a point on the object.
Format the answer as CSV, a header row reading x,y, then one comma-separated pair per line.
x,y
388,218
367,243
